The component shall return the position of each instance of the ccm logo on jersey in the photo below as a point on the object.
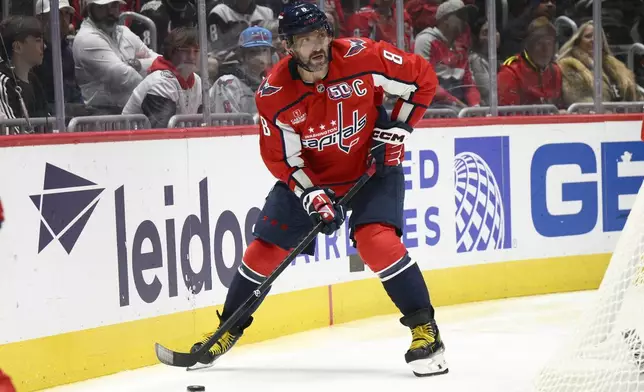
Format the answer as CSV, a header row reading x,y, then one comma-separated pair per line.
x,y
344,90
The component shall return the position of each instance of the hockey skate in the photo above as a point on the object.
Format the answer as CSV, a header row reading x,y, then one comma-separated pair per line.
x,y
425,355
221,347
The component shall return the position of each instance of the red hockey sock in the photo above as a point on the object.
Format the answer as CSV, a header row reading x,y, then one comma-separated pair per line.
x,y
379,246
263,257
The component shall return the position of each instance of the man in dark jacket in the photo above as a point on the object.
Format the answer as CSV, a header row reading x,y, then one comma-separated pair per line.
x,y
166,15
21,94
45,72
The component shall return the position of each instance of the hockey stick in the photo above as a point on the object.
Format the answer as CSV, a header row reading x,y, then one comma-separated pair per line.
x,y
174,358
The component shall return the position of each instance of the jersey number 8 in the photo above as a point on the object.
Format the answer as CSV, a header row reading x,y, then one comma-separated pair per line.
x,y
265,129
392,57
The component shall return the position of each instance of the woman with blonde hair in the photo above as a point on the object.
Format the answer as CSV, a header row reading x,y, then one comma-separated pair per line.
x,y
576,62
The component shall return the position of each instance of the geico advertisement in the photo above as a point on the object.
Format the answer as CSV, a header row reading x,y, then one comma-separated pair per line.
x,y
580,180
104,233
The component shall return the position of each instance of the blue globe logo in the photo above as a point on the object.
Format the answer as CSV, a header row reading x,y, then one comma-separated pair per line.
x,y
480,219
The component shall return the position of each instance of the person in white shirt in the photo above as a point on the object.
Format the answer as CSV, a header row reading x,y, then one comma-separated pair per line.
x,y
110,59
172,85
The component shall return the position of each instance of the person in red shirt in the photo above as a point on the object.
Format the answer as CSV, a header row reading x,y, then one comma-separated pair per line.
x,y
319,126
378,22
532,77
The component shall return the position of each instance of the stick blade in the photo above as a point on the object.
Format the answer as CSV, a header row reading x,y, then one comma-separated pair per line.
x,y
173,358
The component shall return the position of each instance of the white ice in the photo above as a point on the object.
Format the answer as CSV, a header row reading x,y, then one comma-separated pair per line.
x,y
490,346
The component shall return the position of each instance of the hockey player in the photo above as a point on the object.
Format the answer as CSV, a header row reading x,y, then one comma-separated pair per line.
x,y
319,120
166,15
235,93
172,86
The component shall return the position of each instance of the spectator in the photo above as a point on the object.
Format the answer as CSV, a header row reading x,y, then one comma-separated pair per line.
x,y
172,86
479,58
378,22
279,51
576,62
424,12
228,19
235,93
22,38
45,72
522,13
166,15
110,59
532,77
442,47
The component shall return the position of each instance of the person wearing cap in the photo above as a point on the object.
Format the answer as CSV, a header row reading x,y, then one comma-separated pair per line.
x,y
235,93
172,85
45,72
21,49
441,46
110,59
532,77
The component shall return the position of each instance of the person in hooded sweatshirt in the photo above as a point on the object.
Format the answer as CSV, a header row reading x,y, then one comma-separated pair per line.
x,y
171,86
441,46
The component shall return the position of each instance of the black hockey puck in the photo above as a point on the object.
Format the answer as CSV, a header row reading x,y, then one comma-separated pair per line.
x,y
196,388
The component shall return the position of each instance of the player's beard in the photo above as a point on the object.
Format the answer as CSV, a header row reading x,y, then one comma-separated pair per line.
x,y
317,61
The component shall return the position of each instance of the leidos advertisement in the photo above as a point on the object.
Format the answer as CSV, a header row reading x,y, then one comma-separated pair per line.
x,y
104,233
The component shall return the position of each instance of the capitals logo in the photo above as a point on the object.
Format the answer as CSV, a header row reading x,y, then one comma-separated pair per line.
x,y
482,191
266,90
357,46
337,134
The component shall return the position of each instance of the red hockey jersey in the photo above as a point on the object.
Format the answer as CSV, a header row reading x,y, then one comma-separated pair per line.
x,y
320,134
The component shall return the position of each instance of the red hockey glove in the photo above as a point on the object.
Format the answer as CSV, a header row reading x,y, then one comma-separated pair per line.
x,y
318,203
388,141
1,214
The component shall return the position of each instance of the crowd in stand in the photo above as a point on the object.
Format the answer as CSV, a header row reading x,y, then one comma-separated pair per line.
x,y
110,68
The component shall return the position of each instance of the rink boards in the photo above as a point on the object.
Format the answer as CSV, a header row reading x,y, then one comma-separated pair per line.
x,y
113,244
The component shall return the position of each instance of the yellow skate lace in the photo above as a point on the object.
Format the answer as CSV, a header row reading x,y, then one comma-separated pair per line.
x,y
222,345
422,336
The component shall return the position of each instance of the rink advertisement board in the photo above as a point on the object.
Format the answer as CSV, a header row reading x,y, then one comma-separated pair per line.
x,y
104,233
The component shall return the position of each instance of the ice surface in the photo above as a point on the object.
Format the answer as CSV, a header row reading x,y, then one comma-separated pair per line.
x,y
490,346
